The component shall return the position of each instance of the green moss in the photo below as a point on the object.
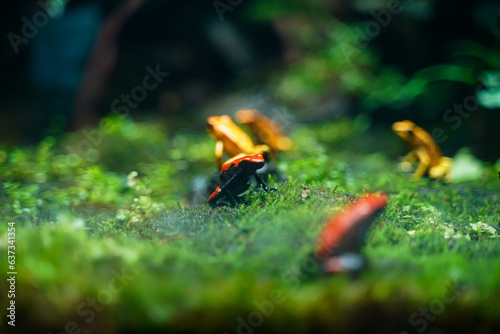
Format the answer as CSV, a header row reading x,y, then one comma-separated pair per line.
x,y
199,269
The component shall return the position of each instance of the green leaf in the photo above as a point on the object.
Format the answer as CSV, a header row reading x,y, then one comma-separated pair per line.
x,y
466,167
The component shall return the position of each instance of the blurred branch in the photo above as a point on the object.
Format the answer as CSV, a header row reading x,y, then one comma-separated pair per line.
x,y
101,63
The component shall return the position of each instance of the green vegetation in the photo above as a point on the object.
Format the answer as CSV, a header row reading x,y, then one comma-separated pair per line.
x,y
85,214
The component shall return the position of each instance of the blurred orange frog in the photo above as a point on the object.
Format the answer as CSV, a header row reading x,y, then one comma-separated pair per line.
x,y
425,150
266,130
231,139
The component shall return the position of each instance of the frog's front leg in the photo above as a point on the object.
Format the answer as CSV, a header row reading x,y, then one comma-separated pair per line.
x,y
408,161
424,161
442,170
219,150
263,184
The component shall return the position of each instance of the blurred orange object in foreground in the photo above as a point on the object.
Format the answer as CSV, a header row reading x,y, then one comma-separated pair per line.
x,y
343,236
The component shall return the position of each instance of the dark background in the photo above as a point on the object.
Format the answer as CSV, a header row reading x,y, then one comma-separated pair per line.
x,y
67,76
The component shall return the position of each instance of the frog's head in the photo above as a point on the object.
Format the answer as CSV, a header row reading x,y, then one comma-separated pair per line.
x,y
404,129
217,125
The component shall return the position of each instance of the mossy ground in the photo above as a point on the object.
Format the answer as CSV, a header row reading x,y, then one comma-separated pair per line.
x,y
121,208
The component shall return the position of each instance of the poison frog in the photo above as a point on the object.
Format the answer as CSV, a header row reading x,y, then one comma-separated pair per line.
x,y
339,244
231,139
265,129
425,150
234,178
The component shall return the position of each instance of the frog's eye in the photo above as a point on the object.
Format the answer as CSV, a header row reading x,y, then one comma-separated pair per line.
x,y
209,127
410,132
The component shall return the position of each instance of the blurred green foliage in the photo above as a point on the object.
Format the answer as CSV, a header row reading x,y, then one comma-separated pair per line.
x,y
129,168
336,62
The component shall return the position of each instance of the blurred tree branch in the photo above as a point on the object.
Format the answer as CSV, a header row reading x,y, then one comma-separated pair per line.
x,y
101,63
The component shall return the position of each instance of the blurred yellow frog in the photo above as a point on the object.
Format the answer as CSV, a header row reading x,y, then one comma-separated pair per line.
x,y
265,129
425,150
231,139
